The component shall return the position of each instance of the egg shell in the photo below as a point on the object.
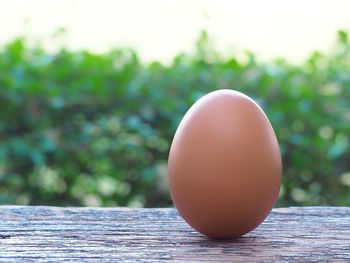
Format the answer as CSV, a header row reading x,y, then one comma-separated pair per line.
x,y
224,165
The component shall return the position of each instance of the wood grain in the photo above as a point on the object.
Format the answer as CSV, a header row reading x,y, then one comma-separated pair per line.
x,y
42,234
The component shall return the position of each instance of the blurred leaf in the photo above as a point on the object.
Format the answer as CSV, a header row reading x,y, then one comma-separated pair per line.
x,y
79,128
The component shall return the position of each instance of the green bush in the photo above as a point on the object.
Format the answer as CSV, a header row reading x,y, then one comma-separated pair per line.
x,y
78,128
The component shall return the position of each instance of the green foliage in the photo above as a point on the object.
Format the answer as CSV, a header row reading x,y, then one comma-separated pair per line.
x,y
78,128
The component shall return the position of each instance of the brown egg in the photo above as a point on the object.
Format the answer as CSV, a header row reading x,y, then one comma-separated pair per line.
x,y
224,165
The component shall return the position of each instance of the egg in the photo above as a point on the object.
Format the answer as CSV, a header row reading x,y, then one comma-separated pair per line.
x,y
224,166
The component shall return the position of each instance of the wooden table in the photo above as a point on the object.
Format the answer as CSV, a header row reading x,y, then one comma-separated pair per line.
x,y
41,234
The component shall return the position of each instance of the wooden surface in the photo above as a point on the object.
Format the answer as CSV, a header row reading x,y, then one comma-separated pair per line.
x,y
41,234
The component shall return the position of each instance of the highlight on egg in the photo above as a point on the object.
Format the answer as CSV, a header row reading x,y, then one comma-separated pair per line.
x,y
224,165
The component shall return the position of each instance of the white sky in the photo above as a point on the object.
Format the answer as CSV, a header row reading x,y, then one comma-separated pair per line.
x,y
159,29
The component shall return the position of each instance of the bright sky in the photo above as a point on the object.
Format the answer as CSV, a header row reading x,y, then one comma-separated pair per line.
x,y
159,29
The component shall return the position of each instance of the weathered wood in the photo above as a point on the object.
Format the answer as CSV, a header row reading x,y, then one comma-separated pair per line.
x,y
40,234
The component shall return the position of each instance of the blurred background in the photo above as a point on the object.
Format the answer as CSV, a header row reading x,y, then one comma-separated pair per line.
x,y
91,93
